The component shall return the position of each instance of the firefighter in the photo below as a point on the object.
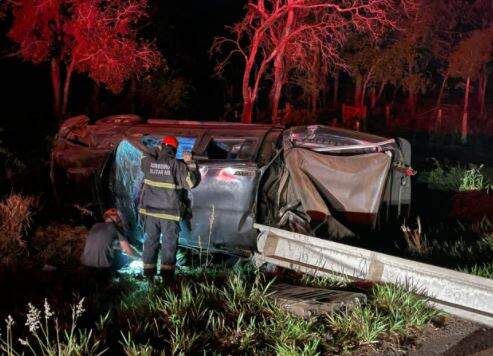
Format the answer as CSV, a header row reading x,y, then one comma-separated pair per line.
x,y
99,249
163,204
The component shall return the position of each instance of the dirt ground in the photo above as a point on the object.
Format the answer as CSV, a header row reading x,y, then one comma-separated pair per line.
x,y
456,337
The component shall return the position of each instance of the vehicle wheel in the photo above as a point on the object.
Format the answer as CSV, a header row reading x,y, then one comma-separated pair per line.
x,y
120,120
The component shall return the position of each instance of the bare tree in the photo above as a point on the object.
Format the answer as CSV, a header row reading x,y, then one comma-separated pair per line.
x,y
95,37
274,34
467,62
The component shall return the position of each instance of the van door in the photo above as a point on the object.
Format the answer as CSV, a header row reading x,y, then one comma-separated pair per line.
x,y
223,203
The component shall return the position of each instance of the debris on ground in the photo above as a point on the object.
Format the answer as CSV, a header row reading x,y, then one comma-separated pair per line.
x,y
307,302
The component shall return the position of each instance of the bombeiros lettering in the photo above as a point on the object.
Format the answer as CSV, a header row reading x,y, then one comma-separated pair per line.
x,y
160,169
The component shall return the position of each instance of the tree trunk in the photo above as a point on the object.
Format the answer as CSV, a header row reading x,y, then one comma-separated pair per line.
x,y
464,128
246,93
387,116
276,87
314,99
363,91
246,89
66,88
55,81
279,74
394,94
373,98
323,93
358,90
315,84
336,89
438,123
247,111
442,89
411,103
380,92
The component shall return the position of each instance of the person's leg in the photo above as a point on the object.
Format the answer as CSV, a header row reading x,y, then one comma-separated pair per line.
x,y
170,230
152,229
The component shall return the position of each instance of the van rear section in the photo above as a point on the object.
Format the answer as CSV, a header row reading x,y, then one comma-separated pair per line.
x,y
336,182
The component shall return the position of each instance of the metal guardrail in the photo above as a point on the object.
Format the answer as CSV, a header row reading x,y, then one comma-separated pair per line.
x,y
466,296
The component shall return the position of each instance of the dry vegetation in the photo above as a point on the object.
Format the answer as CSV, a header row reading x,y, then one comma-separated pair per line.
x,y
56,244
15,220
467,247
59,244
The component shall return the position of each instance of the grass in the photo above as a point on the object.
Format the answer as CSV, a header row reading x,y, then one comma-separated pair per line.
x,y
47,337
214,311
481,270
224,310
455,178
404,311
466,247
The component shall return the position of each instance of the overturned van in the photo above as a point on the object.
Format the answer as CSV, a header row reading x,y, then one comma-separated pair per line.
x,y
318,180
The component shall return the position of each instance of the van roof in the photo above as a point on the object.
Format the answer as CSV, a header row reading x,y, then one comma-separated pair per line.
x,y
210,124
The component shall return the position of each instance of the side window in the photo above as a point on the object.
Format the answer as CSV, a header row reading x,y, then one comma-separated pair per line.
x,y
184,143
231,148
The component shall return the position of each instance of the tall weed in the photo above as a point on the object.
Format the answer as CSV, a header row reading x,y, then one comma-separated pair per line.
x,y
16,213
455,178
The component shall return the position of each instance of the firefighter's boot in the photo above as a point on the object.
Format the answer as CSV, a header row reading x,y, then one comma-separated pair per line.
x,y
149,273
168,274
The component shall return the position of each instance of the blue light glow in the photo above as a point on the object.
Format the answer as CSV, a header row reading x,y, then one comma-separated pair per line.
x,y
127,181
126,187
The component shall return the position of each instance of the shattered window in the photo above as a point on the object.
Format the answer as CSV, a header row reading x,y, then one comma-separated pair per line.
x,y
231,148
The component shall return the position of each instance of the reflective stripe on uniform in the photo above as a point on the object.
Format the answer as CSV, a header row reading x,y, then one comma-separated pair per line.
x,y
189,180
160,215
165,267
153,183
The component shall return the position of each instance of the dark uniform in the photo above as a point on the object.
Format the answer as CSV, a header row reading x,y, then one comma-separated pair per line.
x,y
99,248
163,205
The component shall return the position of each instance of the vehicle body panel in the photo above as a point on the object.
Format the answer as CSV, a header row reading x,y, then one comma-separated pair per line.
x,y
236,161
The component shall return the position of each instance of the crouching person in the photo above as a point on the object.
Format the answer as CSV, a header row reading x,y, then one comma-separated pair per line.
x,y
100,250
163,203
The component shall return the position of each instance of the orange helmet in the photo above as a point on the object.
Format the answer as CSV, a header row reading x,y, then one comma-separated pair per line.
x,y
170,141
112,214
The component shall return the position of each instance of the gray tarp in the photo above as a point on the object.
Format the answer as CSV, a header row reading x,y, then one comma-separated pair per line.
x,y
321,183
350,183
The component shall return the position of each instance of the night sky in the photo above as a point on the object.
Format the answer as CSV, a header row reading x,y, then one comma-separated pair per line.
x,y
184,32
